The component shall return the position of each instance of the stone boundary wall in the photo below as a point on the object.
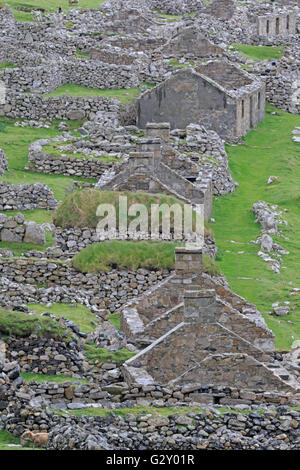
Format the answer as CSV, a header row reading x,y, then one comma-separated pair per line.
x,y
64,284
44,356
17,229
89,167
26,197
278,429
177,7
151,395
31,106
52,74
283,91
3,163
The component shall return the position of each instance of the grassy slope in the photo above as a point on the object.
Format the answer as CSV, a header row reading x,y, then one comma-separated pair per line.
x,y
22,325
259,52
15,141
267,150
126,255
79,314
80,207
50,6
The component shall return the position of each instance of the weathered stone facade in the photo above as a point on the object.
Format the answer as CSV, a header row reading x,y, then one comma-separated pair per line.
x,y
217,95
280,24
147,172
190,335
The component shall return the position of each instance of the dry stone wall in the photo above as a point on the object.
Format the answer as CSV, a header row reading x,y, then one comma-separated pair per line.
x,y
26,197
3,163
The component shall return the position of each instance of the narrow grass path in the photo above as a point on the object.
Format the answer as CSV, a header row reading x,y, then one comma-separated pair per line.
x,y
267,150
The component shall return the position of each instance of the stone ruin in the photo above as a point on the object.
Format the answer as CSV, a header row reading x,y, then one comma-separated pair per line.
x,y
217,94
195,330
276,24
223,9
150,170
191,44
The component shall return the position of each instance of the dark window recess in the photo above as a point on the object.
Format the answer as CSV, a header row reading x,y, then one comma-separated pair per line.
x,y
268,26
258,100
243,108
277,25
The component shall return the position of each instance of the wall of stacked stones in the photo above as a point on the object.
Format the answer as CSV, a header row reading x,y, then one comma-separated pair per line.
x,y
283,91
85,72
87,167
279,429
177,7
44,356
3,163
19,57
32,106
26,196
17,229
65,284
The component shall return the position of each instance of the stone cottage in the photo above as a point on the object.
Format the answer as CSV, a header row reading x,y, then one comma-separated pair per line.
x,y
194,330
217,95
149,170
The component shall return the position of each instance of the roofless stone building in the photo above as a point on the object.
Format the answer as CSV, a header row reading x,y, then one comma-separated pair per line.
x,y
217,95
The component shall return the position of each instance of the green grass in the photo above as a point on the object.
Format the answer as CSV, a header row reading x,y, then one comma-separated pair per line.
x,y
154,411
7,65
266,150
39,216
42,378
21,324
259,52
9,442
77,313
166,16
82,55
49,6
56,149
126,95
69,24
114,319
94,354
129,255
79,208
15,141
176,63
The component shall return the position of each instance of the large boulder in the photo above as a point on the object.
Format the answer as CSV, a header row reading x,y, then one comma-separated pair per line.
x,y
34,233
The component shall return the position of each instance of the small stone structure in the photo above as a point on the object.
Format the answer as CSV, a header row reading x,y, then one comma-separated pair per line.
x,y
191,335
276,24
217,94
148,172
